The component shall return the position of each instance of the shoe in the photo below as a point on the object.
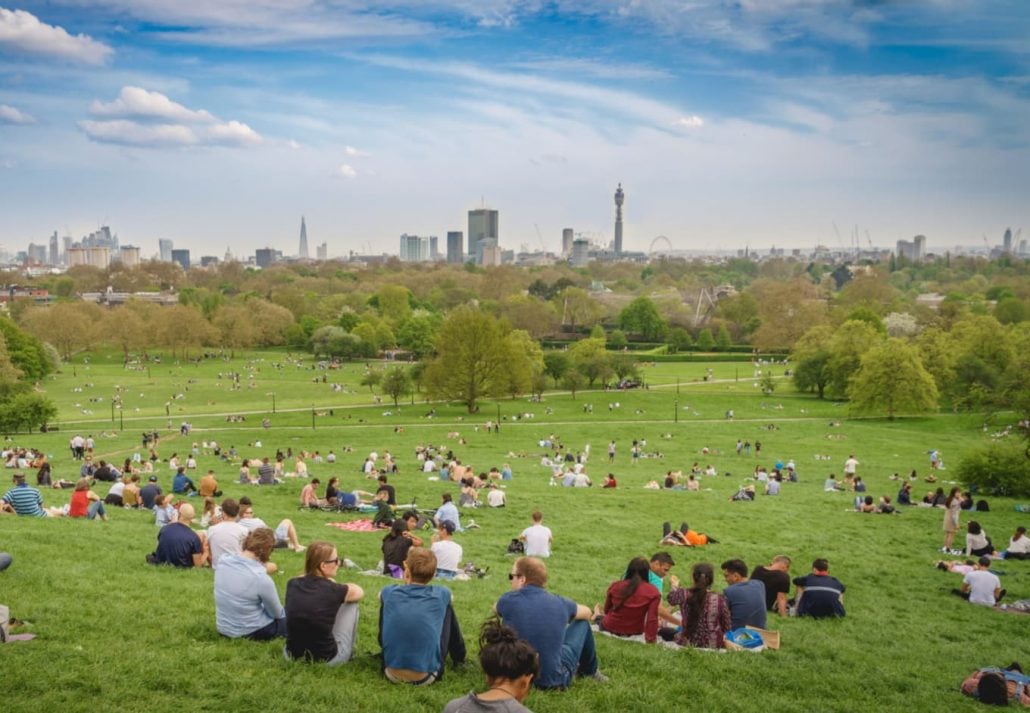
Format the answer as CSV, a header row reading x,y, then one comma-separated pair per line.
x,y
299,548
599,677
945,550
1001,595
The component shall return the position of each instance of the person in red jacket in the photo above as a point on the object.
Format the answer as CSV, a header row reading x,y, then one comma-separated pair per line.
x,y
631,604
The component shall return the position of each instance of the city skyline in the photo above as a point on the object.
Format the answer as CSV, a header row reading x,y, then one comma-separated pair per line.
x,y
728,123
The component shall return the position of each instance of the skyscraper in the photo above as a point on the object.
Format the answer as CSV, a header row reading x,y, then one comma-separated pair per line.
x,y
303,252
182,257
165,249
619,198
54,256
1006,241
483,223
566,242
454,246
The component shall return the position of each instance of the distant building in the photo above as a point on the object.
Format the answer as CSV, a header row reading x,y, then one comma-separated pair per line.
x,y
303,251
36,254
580,252
129,255
322,251
483,223
567,238
620,198
434,248
265,257
55,256
182,257
1006,241
164,248
94,257
454,246
208,260
415,248
913,250
490,253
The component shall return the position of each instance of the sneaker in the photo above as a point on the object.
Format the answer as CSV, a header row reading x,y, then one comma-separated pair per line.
x,y
945,550
299,548
599,677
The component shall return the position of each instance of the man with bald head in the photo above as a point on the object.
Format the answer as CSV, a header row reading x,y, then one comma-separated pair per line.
x,y
177,543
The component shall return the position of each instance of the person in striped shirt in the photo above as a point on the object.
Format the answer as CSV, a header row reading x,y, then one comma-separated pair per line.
x,y
23,500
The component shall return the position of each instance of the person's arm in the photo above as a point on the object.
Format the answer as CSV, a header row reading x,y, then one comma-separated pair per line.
x,y
269,597
965,587
651,622
781,603
200,558
583,613
354,594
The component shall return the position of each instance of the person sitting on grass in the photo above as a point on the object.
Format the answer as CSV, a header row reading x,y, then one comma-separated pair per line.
x,y
1019,546
164,511
332,492
745,597
395,548
246,600
321,614
684,536
885,507
209,486
905,494
977,541
557,627
819,595
866,505
384,513
831,484
509,664
86,503
447,511
448,553
130,495
115,494
309,495
537,537
417,625
226,536
182,484
981,586
704,613
776,578
177,543
285,532
631,604
25,500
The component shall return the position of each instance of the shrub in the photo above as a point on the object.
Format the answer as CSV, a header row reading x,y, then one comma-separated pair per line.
x,y
997,469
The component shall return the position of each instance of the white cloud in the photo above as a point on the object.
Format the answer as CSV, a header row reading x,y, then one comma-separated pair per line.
x,y
351,151
10,115
139,117
134,102
24,32
690,122
293,144
346,171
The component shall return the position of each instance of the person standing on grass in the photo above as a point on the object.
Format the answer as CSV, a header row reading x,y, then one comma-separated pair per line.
x,y
417,625
321,614
246,601
818,594
537,537
510,664
177,543
952,508
850,467
557,627
776,578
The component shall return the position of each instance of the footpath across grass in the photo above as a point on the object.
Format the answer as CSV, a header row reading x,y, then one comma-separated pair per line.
x,y
116,634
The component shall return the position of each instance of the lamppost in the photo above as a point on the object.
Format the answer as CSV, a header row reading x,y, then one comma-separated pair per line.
x,y
676,413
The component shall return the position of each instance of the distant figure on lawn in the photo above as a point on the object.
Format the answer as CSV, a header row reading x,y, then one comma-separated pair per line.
x,y
745,597
321,614
509,663
1019,546
631,604
182,484
818,594
417,625
684,536
246,600
538,537
85,503
558,628
952,508
704,613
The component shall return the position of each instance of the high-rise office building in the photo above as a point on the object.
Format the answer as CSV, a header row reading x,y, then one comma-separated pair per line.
x,y
164,248
619,198
580,254
434,248
129,255
322,251
303,252
55,258
182,257
66,244
566,242
36,254
265,257
483,223
1006,242
454,246
490,253
414,248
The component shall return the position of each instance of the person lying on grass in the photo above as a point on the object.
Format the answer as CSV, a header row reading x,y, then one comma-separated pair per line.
x,y
684,536
321,614
509,664
631,604
246,601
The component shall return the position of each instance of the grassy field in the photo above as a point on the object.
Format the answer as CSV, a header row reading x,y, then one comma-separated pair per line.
x,y
116,634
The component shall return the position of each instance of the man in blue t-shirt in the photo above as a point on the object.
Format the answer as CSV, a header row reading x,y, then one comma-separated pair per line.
x,y
182,484
818,594
557,627
417,626
177,543
746,597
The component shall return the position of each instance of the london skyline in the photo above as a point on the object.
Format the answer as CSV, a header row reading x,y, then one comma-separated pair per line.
x,y
728,123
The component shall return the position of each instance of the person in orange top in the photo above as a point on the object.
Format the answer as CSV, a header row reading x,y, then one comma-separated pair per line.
x,y
209,486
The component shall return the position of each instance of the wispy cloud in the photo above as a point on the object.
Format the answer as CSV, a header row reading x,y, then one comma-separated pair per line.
x,y
150,119
11,115
351,151
594,68
23,32
690,122
346,171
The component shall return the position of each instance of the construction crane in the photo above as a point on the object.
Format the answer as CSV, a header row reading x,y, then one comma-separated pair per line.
x,y
540,237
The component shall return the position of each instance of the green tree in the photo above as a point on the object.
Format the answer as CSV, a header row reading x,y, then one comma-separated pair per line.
x,y
891,380
768,383
27,411
578,308
371,378
396,383
679,339
591,359
470,357
617,340
624,366
722,338
573,381
847,345
1011,310
525,360
641,317
811,374
394,303
705,340
416,334
556,364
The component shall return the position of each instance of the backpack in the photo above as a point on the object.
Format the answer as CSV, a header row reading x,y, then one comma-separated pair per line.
x,y
516,547
982,506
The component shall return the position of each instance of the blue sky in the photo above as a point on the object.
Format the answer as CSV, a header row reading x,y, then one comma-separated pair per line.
x,y
729,123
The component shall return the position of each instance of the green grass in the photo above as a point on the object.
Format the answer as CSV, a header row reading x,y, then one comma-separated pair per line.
x,y
113,633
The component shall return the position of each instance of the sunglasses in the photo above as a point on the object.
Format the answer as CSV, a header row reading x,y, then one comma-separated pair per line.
x,y
332,561
512,576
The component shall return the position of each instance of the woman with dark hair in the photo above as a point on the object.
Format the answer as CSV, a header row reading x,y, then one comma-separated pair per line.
x,y
952,507
509,663
332,492
395,548
246,601
321,614
631,604
978,544
704,613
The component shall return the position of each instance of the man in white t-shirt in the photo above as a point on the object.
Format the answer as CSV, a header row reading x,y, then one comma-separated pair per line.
x,y
981,586
448,552
537,537
429,465
495,497
850,465
226,538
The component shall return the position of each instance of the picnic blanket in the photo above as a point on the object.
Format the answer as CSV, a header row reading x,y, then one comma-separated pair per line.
x,y
364,525
637,638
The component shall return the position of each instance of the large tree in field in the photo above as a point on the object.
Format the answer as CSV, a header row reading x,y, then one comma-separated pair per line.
x,y
786,309
591,359
471,357
847,345
396,383
641,317
892,381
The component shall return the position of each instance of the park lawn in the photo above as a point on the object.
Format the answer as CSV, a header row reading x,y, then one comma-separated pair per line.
x,y
114,633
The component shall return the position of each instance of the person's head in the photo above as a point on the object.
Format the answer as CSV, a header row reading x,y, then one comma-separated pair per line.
x,y
320,560
1020,532
955,492
398,528
973,528
333,481
19,478
382,480
445,529
868,500
538,516
260,543
186,513
245,501
82,484
507,660
528,570
734,571
419,565
410,517
446,497
316,481
832,477
638,569
180,471
134,478
230,508
820,565
246,511
984,562
780,562
703,575
661,563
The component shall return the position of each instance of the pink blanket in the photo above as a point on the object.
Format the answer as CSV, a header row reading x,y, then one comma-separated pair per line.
x,y
354,526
